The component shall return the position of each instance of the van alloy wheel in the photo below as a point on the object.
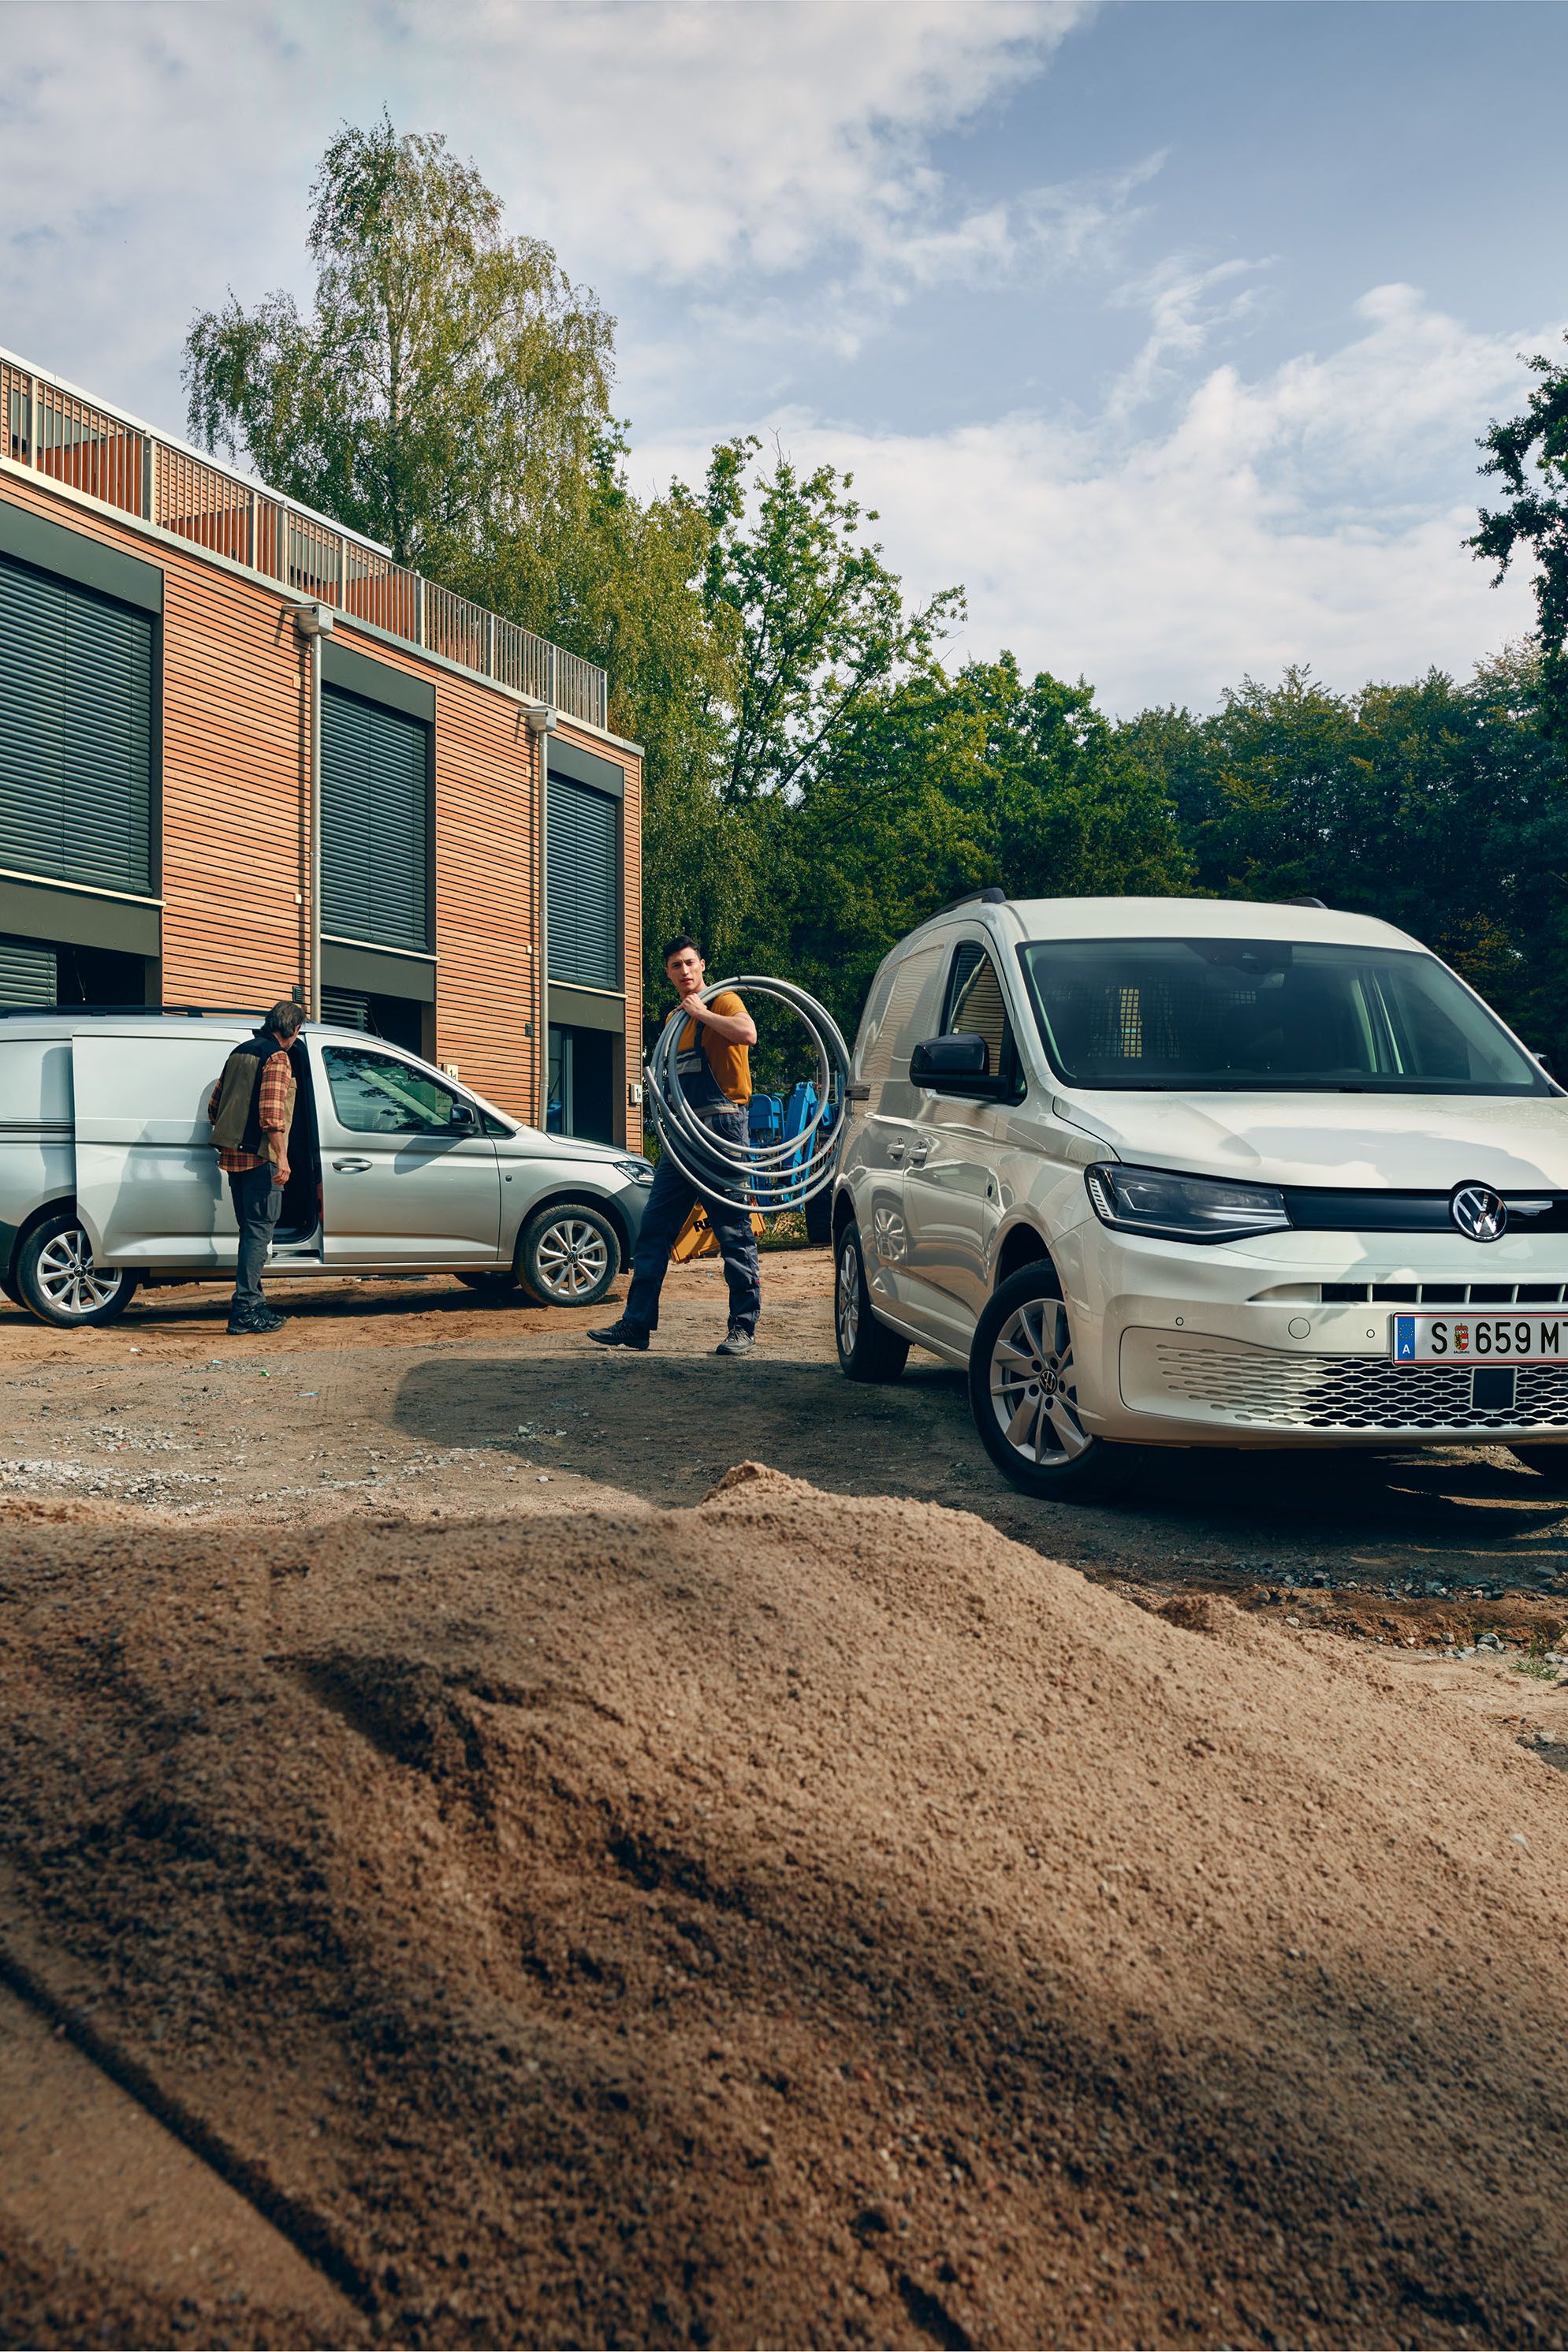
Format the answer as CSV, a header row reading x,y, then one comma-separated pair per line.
x,y
568,1256
868,1349
848,1299
1024,1391
1034,1385
56,1280
571,1259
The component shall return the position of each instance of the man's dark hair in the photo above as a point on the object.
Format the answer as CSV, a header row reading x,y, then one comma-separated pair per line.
x,y
673,947
285,1018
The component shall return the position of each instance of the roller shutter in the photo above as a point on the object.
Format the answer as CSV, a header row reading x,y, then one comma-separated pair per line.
x,y
375,824
76,733
584,903
27,972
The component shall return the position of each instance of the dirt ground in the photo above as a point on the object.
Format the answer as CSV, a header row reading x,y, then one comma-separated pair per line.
x,y
457,1886
414,1397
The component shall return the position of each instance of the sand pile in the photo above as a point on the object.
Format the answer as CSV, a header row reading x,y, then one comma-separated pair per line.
x,y
793,1921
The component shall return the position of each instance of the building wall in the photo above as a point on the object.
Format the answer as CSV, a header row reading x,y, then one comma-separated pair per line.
x,y
234,860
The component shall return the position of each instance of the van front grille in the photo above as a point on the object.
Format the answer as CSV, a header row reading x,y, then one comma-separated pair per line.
x,y
1251,1384
1440,1294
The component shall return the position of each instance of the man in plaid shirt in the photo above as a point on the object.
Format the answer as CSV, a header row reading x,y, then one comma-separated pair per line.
x,y
251,1109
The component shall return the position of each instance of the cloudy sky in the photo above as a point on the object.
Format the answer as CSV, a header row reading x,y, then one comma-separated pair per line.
x,y
1166,326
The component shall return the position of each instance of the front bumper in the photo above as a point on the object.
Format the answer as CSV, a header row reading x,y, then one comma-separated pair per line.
x,y
1286,1342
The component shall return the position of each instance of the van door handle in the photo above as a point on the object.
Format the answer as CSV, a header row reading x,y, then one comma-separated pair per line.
x,y
352,1167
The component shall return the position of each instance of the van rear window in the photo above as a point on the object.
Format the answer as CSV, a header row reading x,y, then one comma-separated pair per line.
x,y
1262,1015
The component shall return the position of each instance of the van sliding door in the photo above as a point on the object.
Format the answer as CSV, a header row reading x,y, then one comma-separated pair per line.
x,y
148,1190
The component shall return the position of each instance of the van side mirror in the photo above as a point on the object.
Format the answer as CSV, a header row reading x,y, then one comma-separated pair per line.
x,y
1545,1062
958,1064
464,1116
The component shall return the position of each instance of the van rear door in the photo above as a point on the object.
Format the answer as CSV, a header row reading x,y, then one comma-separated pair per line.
x,y
148,1187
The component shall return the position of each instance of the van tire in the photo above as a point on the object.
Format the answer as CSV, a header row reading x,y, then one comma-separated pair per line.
x,y
1550,1464
868,1350
1023,1329
54,1269
567,1243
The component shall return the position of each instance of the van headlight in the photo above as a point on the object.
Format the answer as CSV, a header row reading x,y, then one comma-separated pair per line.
x,y
636,1171
1182,1207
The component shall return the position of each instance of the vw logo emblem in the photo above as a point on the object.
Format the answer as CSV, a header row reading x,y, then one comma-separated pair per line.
x,y
1478,1212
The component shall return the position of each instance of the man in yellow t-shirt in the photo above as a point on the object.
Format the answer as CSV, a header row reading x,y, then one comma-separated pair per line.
x,y
713,1065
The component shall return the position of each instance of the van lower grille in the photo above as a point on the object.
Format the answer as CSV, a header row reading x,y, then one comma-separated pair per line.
x,y
1354,1391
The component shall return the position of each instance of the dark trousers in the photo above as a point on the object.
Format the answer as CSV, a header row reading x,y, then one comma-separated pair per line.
x,y
670,1203
257,1202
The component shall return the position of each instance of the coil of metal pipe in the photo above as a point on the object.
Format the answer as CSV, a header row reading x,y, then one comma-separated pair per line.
x,y
762,1176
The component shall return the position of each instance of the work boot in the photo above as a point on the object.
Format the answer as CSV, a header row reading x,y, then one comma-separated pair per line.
x,y
249,1322
620,1335
736,1342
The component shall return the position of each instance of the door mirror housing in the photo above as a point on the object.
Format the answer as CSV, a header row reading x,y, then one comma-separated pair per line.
x,y
957,1064
463,1118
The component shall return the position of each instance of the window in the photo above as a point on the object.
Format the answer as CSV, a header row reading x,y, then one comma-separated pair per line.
x,y
584,901
375,823
76,733
372,1094
1263,1015
976,1006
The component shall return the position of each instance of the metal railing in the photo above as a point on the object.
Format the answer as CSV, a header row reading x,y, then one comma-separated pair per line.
x,y
66,438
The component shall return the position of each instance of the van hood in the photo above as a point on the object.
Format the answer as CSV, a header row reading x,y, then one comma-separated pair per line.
x,y
1425,1143
533,1143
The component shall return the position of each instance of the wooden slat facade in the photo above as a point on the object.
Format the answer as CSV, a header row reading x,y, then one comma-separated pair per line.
x,y
234,830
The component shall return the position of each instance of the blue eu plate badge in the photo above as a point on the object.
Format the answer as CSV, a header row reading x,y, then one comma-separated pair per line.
x,y
1404,1338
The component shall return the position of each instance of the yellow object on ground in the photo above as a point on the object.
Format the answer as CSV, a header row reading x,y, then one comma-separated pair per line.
x,y
696,1237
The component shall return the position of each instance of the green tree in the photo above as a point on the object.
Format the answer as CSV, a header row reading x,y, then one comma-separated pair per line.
x,y
1528,457
818,621
448,386
1435,805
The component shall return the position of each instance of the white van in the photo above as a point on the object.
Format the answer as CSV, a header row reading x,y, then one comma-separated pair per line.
x,y
1193,1172
108,1174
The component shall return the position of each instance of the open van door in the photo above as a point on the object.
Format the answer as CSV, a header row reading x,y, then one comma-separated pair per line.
x,y
148,1191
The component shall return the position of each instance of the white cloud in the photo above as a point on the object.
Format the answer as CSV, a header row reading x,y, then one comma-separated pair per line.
x,y
1314,515
1184,315
150,155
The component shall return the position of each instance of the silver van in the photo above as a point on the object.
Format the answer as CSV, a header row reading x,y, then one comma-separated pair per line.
x,y
109,1178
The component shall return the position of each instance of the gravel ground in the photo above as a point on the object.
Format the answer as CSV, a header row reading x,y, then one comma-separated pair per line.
x,y
410,1397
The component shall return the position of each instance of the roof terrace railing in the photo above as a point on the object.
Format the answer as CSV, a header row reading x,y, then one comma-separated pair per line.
x,y
68,439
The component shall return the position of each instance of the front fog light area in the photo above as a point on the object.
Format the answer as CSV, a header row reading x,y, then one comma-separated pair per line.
x,y
1182,1207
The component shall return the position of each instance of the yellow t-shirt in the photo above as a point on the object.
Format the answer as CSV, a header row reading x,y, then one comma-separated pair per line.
x,y
730,1064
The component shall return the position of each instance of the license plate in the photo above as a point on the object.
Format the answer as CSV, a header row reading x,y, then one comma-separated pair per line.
x,y
1461,1338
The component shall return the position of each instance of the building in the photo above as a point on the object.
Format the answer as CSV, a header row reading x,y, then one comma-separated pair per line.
x,y
244,752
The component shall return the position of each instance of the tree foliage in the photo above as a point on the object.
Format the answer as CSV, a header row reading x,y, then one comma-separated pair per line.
x,y
449,383
1529,455
817,619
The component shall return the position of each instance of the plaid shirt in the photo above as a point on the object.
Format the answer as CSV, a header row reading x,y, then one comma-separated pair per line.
x,y
272,1107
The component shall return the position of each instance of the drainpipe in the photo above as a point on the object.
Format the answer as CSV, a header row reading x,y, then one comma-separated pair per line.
x,y
314,622
541,726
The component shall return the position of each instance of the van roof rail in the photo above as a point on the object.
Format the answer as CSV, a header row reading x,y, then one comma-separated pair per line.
x,y
993,894
118,1011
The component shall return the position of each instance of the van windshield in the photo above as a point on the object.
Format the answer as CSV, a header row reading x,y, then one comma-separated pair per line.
x,y
1262,1015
